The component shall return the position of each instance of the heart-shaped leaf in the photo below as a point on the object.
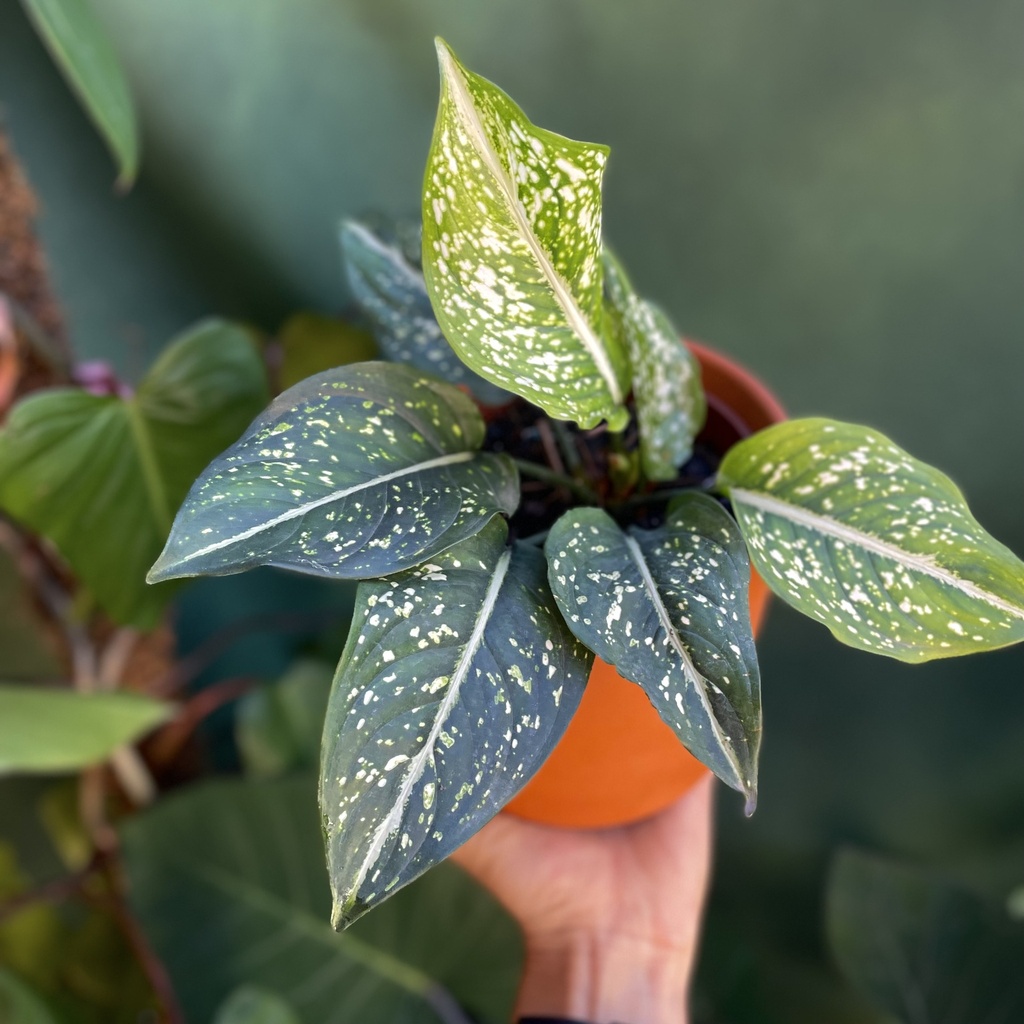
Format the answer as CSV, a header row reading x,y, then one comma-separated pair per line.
x,y
457,680
49,730
512,252
228,881
101,476
79,46
670,402
392,294
922,947
357,472
881,548
669,609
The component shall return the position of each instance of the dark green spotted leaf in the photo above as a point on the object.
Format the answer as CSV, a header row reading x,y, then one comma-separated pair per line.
x,y
881,548
670,402
356,472
669,609
101,476
391,293
80,48
457,680
922,947
50,730
512,252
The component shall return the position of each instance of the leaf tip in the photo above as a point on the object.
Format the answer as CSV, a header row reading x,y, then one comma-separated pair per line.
x,y
751,805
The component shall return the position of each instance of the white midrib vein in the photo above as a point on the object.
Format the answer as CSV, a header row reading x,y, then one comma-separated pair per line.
x,y
393,820
327,499
833,528
700,683
474,126
390,253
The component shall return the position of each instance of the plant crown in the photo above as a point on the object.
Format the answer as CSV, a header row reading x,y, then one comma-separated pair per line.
x,y
468,653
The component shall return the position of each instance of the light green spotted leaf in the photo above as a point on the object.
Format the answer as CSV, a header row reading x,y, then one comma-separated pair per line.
x,y
356,472
512,252
390,291
670,403
881,548
669,609
457,680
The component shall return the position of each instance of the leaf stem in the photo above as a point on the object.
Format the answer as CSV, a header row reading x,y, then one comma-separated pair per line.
x,y
550,476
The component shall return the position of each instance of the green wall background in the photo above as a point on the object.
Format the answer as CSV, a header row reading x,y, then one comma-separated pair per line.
x,y
833,193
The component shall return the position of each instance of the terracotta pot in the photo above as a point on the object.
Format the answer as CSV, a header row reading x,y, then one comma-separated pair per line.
x,y
618,762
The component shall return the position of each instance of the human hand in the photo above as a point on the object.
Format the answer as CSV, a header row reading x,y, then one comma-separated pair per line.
x,y
611,917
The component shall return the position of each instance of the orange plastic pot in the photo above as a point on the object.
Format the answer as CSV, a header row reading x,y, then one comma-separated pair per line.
x,y
618,762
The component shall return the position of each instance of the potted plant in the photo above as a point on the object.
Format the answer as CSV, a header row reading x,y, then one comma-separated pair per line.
x,y
581,518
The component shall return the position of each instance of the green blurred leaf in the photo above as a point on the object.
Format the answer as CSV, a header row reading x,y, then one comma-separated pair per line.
x,y
357,472
881,548
101,476
312,343
392,294
501,193
278,727
44,730
30,938
670,403
669,608
458,679
27,649
228,881
80,47
19,1004
250,1004
920,946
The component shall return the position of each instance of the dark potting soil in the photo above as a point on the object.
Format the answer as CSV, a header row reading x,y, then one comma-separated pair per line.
x,y
525,432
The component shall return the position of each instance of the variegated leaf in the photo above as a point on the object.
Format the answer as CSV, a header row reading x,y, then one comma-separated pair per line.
x,y
669,609
881,548
670,403
457,680
356,472
512,252
391,293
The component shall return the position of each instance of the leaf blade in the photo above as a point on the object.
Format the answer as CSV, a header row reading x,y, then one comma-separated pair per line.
x,y
46,730
240,863
535,327
97,475
873,543
670,403
357,472
391,292
669,609
402,700
87,60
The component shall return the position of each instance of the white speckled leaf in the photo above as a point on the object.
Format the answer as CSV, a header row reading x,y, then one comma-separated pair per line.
x,y
356,472
669,609
512,252
391,293
670,403
881,548
457,680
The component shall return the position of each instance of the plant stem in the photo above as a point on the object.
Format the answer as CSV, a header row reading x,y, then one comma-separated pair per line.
x,y
549,476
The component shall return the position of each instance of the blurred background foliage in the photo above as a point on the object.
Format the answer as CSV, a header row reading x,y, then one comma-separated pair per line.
x,y
831,193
